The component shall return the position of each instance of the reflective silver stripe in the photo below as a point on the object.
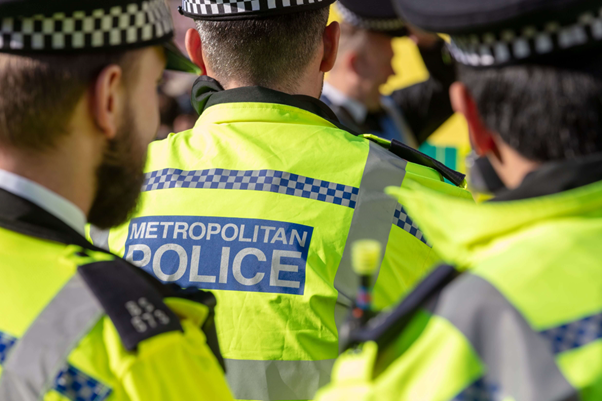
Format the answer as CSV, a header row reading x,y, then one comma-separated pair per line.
x,y
35,361
277,380
100,238
518,360
371,218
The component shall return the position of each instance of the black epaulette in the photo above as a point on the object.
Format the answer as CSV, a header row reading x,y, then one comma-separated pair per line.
x,y
133,302
415,156
385,328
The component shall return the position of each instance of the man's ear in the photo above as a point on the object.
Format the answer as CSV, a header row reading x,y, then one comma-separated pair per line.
x,y
354,62
194,47
481,138
331,37
107,100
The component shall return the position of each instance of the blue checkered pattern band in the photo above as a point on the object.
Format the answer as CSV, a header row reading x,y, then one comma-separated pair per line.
x,y
403,221
77,386
70,382
480,390
279,182
575,334
6,343
225,8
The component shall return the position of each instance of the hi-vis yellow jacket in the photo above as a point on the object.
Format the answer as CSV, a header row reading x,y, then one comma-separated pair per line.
x,y
259,202
79,324
523,320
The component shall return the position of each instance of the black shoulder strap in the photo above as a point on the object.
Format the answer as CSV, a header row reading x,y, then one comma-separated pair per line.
x,y
414,156
133,302
385,328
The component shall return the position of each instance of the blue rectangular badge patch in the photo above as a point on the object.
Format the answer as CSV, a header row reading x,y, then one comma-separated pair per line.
x,y
221,253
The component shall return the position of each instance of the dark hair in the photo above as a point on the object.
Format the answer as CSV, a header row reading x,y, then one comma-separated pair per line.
x,y
545,113
269,52
39,93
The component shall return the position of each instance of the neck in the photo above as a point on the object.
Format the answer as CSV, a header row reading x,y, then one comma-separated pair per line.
x,y
305,85
511,166
58,171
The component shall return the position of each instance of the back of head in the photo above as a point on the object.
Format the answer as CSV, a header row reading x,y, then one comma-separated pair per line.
x,y
532,68
272,52
546,113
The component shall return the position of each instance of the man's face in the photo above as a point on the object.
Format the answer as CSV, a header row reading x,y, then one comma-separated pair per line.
x,y
144,97
376,65
120,176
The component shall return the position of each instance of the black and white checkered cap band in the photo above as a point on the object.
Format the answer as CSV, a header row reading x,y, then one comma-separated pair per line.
x,y
373,24
225,8
512,46
121,26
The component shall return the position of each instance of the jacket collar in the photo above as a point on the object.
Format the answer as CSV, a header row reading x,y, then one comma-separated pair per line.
x,y
24,217
207,92
466,233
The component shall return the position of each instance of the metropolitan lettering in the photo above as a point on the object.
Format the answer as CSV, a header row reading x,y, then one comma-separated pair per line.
x,y
229,232
222,253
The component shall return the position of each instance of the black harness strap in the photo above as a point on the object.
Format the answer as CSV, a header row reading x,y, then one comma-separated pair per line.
x,y
385,328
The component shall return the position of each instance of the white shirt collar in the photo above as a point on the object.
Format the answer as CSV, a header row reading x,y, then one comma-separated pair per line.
x,y
357,110
44,198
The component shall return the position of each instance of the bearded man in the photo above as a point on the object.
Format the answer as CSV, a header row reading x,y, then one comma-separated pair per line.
x,y
78,108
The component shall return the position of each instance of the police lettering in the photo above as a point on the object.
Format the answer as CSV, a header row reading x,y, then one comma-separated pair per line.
x,y
140,255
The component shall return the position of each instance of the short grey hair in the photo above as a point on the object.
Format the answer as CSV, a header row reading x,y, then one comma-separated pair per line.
x,y
270,52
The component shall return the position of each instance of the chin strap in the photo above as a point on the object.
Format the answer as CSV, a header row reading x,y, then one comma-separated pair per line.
x,y
385,327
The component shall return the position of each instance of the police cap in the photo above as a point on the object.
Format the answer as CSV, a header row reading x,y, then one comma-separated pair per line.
x,y
75,26
490,33
223,10
375,15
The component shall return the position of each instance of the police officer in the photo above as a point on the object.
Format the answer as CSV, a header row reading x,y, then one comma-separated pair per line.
x,y
522,322
77,109
352,89
261,200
